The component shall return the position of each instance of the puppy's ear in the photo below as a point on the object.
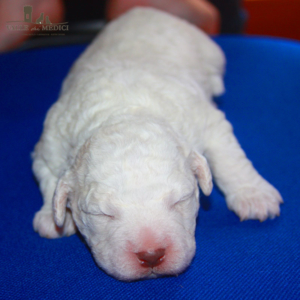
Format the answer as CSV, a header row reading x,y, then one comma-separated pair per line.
x,y
201,169
60,200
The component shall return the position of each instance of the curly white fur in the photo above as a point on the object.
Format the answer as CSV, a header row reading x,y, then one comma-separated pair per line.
x,y
124,145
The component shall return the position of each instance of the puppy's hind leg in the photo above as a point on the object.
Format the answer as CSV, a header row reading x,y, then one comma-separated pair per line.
x,y
247,193
43,221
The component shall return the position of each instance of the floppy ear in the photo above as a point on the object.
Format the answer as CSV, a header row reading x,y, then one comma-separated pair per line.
x,y
60,200
201,169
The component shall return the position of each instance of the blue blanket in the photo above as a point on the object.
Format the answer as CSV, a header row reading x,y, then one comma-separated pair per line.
x,y
234,260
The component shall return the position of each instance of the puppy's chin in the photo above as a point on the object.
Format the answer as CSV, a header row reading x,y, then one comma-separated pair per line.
x,y
130,262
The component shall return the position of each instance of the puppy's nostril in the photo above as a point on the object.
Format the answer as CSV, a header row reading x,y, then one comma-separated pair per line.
x,y
151,258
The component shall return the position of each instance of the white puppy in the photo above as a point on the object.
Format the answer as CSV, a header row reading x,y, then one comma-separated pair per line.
x,y
131,133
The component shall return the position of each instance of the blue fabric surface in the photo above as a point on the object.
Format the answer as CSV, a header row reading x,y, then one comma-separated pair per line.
x,y
234,260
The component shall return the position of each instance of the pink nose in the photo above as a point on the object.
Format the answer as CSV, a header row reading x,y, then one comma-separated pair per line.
x,y
151,258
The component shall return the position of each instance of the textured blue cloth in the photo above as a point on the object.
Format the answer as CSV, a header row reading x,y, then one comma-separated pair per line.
x,y
234,260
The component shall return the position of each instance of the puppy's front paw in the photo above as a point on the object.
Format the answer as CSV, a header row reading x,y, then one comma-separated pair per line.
x,y
259,201
44,224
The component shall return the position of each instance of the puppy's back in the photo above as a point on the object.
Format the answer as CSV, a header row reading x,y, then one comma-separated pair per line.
x,y
147,35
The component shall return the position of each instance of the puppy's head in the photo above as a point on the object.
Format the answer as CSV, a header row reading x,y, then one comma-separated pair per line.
x,y
135,200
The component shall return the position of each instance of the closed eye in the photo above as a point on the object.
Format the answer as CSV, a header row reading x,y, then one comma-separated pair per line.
x,y
179,203
183,199
99,214
94,210
91,205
